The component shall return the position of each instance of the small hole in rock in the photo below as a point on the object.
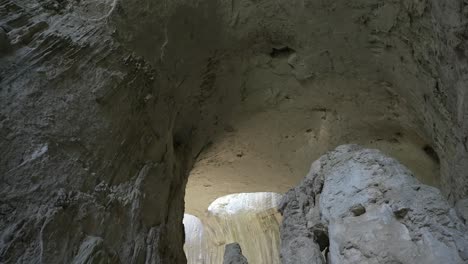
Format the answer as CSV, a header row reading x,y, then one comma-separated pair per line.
x,y
281,52
431,153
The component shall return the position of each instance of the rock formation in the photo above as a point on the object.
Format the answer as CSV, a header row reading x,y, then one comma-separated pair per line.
x,y
104,105
462,210
233,255
357,205
194,246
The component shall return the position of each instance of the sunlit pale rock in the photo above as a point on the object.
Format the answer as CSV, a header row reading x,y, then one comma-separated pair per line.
x,y
194,242
376,213
244,203
249,219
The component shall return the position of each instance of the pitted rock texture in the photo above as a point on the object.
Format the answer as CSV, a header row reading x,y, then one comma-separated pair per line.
x,y
105,105
399,219
233,255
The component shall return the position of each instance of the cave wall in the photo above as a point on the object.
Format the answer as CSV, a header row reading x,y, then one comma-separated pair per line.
x,y
105,105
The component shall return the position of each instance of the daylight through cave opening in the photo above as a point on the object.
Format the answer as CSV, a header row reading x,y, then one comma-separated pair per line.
x,y
270,138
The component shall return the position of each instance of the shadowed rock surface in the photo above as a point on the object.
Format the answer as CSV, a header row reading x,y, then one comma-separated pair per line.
x,y
404,221
233,255
462,210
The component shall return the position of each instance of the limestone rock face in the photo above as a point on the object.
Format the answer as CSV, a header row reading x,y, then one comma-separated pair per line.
x,y
233,255
244,203
398,219
462,210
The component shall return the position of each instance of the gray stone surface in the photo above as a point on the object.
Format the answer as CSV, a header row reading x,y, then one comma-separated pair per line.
x,y
404,221
233,254
4,41
462,210
299,244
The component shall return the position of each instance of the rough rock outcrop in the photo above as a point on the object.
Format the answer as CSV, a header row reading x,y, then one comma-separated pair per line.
x,y
233,254
360,206
194,246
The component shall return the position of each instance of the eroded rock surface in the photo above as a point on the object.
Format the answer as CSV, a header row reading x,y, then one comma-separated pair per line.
x,y
462,209
375,211
233,255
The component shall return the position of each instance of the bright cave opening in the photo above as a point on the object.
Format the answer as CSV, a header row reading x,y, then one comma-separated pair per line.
x,y
269,141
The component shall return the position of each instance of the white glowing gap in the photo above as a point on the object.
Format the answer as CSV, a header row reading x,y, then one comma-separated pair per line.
x,y
244,202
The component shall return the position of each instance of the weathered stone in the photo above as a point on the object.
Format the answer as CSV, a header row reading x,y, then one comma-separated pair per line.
x,y
400,212
298,242
358,210
250,219
462,210
233,254
4,41
320,232
404,221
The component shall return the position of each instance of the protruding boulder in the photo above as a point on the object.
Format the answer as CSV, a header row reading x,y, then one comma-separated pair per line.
x,y
233,254
376,212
